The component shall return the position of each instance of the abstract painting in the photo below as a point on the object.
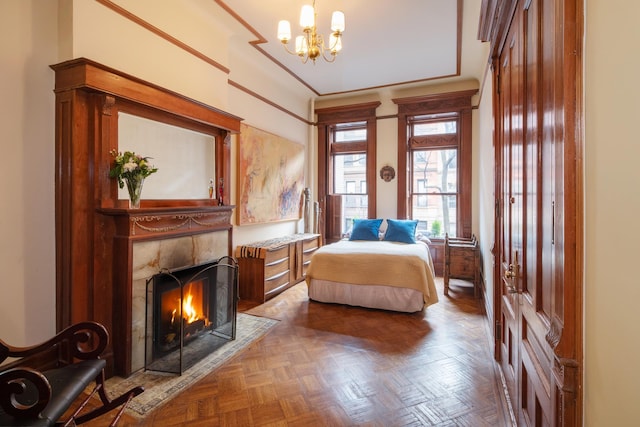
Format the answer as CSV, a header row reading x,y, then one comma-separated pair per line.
x,y
270,177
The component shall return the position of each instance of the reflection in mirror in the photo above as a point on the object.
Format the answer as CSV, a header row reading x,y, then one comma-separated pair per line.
x,y
185,159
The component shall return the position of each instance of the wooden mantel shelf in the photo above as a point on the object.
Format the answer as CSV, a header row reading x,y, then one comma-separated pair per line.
x,y
162,222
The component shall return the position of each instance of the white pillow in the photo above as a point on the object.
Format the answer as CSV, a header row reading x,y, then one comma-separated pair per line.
x,y
423,237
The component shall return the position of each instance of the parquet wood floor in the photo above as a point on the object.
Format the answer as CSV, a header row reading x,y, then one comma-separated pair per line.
x,y
333,365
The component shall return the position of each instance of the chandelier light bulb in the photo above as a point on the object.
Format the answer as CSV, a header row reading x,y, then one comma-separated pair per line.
x,y
337,21
301,45
284,31
307,17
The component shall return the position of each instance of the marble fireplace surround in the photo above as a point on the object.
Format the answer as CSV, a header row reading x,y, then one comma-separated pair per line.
x,y
144,242
149,257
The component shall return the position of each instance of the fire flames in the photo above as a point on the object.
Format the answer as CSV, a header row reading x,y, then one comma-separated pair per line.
x,y
189,313
185,318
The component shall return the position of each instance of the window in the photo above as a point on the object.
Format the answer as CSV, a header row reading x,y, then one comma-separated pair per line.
x,y
349,169
421,193
434,147
346,167
434,203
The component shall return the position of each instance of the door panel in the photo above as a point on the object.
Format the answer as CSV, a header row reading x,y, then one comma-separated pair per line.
x,y
526,357
537,353
510,141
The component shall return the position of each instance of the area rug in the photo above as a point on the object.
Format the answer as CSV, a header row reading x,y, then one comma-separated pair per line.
x,y
161,387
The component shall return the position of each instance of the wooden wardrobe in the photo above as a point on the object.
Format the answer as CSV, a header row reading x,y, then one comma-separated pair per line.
x,y
536,48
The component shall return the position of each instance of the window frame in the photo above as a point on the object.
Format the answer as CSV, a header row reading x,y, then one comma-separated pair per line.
x,y
458,103
326,119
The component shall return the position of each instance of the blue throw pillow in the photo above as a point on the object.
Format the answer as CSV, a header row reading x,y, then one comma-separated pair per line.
x,y
401,230
365,229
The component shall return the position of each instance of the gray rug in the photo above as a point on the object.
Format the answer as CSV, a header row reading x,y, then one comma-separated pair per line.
x,y
161,387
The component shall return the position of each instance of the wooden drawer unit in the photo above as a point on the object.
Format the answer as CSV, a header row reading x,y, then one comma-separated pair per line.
x,y
461,261
307,248
269,267
277,270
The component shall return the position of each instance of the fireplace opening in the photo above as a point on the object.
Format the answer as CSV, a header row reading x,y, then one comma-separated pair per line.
x,y
191,312
177,307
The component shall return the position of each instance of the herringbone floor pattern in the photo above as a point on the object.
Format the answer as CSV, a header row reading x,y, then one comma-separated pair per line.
x,y
332,365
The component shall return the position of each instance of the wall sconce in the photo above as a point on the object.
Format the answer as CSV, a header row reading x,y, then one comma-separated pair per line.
x,y
387,173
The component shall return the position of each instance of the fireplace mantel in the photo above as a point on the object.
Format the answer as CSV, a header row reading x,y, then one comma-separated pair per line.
x,y
127,227
96,235
165,222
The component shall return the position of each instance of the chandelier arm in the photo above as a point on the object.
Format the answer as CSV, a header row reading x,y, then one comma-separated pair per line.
x,y
329,59
285,44
338,40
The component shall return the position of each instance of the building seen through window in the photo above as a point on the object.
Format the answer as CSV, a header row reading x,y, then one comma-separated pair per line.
x,y
349,160
433,173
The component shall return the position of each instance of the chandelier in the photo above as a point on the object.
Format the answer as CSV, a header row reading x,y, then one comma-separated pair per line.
x,y
311,45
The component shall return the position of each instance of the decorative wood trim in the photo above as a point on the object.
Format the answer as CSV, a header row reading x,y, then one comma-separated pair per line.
x,y
352,112
267,101
151,224
567,378
94,231
439,102
85,74
495,16
155,30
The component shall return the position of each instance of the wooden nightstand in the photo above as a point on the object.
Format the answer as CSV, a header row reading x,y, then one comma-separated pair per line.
x,y
462,261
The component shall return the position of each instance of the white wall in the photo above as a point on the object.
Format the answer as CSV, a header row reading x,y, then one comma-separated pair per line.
x,y
28,34
483,178
612,228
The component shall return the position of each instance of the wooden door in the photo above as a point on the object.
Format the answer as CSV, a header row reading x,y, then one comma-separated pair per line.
x,y
510,200
525,354
536,57
537,299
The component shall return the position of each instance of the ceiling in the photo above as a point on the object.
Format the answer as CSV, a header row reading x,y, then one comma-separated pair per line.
x,y
385,43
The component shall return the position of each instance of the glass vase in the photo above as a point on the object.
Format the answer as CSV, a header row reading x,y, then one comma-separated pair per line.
x,y
134,187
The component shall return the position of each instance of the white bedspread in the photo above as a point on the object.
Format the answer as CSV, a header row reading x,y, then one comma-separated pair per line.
x,y
375,263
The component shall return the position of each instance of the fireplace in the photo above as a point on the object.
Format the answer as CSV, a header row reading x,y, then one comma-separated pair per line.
x,y
191,312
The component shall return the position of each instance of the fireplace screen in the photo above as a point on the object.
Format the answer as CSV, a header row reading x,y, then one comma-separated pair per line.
x,y
190,313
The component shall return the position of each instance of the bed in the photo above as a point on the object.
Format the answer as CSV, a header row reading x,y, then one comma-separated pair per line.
x,y
376,272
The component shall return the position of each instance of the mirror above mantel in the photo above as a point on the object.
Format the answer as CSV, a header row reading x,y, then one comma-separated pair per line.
x,y
185,159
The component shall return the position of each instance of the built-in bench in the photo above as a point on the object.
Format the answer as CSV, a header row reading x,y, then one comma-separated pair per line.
x,y
45,381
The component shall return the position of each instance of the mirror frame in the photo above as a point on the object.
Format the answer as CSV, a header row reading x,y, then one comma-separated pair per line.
x,y
91,96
